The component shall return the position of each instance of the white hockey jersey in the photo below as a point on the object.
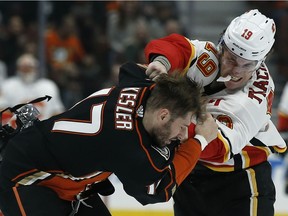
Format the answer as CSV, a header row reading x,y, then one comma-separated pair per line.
x,y
246,134
14,91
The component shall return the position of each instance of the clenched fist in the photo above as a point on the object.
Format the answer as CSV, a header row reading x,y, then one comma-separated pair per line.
x,y
154,69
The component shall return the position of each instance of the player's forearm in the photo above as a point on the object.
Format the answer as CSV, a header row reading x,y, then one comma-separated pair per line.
x,y
176,48
186,158
217,151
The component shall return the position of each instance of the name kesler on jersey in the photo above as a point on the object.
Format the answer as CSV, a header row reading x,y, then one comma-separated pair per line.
x,y
125,107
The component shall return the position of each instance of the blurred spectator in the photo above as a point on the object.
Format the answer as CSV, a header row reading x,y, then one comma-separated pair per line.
x,y
156,27
158,14
281,15
91,20
18,27
92,28
83,39
91,76
3,72
115,69
283,126
31,48
129,29
64,53
122,24
27,10
283,110
101,52
133,50
14,40
63,45
26,85
173,26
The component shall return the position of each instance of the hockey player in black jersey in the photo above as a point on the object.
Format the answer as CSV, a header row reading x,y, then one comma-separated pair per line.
x,y
59,166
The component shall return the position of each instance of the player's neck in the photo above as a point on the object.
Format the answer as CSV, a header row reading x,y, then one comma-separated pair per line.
x,y
148,121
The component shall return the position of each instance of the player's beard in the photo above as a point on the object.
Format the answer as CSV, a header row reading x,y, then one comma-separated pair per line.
x,y
161,135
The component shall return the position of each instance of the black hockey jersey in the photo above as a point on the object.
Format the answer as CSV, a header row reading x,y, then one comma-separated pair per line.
x,y
100,135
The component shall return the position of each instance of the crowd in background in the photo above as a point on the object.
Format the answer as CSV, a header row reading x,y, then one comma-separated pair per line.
x,y
85,42
97,36
94,37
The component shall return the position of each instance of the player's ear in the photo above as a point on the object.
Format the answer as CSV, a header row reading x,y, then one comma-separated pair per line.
x,y
163,115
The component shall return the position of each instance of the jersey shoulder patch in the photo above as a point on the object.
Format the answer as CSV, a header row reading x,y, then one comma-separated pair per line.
x,y
164,152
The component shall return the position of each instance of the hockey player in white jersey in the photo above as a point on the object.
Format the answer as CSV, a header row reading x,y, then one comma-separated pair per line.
x,y
233,175
26,86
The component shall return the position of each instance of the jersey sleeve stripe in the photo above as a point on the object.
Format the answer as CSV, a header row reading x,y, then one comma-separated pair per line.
x,y
192,56
226,144
19,202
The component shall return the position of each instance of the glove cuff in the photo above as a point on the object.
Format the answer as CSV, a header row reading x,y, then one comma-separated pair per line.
x,y
203,142
163,60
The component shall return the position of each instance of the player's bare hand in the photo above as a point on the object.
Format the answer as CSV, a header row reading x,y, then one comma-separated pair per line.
x,y
208,128
154,69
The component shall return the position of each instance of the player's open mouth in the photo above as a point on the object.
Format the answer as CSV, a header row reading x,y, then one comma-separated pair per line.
x,y
235,79
229,78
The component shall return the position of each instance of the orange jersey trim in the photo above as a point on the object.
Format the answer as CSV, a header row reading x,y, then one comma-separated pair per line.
x,y
19,202
24,174
66,186
140,137
67,189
